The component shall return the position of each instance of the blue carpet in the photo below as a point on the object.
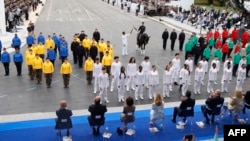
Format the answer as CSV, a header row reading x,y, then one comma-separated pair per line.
x,y
43,130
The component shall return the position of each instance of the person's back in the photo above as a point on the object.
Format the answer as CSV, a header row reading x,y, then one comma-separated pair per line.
x,y
188,102
214,101
63,116
97,110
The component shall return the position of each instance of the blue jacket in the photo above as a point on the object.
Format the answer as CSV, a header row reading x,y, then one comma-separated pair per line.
x,y
29,40
64,52
1,44
41,38
17,57
5,57
51,54
16,41
56,40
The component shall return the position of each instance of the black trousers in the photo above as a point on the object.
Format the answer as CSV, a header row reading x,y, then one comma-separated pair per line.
x,y
101,56
18,68
207,112
41,56
48,77
6,68
108,68
248,68
66,78
80,60
55,49
177,111
74,53
181,42
164,43
229,53
224,57
196,59
89,76
235,68
31,72
172,44
38,73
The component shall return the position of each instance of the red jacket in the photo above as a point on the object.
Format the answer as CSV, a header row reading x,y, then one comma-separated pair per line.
x,y
225,33
245,36
216,34
236,48
225,48
234,34
209,35
218,44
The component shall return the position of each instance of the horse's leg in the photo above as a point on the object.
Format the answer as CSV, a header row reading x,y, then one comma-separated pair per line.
x,y
143,49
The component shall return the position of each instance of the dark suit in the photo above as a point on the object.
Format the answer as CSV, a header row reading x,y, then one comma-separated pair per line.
x,y
247,101
97,116
181,40
211,104
173,37
63,120
189,102
165,38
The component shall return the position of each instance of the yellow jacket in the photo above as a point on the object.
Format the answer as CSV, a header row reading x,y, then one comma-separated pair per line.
x,y
106,60
37,63
49,43
89,65
66,68
77,39
40,49
102,47
86,43
34,48
110,52
29,58
48,67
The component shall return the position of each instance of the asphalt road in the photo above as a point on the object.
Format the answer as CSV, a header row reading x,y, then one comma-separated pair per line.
x,y
21,95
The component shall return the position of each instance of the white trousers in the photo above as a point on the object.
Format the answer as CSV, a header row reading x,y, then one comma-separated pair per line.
x,y
239,84
114,80
210,86
95,84
197,86
131,81
146,79
121,92
166,89
139,91
224,85
184,88
152,91
103,93
176,75
125,49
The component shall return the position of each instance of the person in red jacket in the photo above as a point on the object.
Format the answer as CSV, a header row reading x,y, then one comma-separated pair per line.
x,y
237,47
209,34
234,35
224,35
216,34
225,50
218,43
244,38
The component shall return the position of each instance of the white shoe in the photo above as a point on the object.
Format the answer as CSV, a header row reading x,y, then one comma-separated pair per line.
x,y
202,83
208,91
94,92
122,100
170,90
215,83
107,101
127,89
133,89
111,90
195,93
141,98
199,92
136,99
150,97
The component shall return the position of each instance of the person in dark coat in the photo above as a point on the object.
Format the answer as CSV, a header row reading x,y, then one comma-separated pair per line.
x,y
82,35
63,114
173,37
197,51
97,118
93,51
96,35
201,40
80,54
211,103
181,39
187,101
165,38
73,47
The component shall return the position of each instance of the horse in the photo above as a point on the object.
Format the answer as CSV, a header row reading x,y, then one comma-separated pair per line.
x,y
142,41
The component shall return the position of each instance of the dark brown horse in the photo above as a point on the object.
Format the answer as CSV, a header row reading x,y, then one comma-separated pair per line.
x,y
142,41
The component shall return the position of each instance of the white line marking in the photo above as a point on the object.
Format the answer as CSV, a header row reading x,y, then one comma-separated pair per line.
x,y
49,12
55,81
31,89
76,76
89,14
2,96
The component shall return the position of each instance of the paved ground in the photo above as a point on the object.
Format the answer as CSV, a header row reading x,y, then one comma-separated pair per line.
x,y
20,95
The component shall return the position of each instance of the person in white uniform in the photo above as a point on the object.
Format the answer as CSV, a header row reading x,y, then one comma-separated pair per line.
x,y
184,75
122,83
125,42
242,61
176,68
131,71
229,60
217,62
198,75
139,83
204,65
241,77
115,70
212,77
146,66
189,61
167,77
170,64
103,85
153,80
97,70
226,77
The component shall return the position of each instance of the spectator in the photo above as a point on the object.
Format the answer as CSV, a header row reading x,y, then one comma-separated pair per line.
x,y
181,39
165,38
128,112
173,37
157,110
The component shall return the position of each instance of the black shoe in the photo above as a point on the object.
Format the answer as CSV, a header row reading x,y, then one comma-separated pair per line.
x,y
173,120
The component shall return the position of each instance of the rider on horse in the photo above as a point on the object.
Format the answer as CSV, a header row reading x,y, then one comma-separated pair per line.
x,y
140,30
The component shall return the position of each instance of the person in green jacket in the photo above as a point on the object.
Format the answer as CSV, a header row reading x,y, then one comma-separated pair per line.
x,y
248,48
231,46
188,48
248,63
236,60
218,54
211,42
206,53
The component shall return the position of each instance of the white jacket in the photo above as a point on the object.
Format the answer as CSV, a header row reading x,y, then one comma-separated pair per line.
x,y
204,65
212,76
131,69
140,78
146,66
190,63
115,68
227,74
198,75
167,77
97,69
184,74
176,64
241,74
103,80
153,78
122,79
217,62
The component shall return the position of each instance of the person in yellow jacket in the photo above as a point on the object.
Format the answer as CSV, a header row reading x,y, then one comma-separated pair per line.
x,y
40,50
29,58
33,49
88,67
101,47
66,70
49,43
37,68
107,61
86,43
110,50
76,37
48,69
